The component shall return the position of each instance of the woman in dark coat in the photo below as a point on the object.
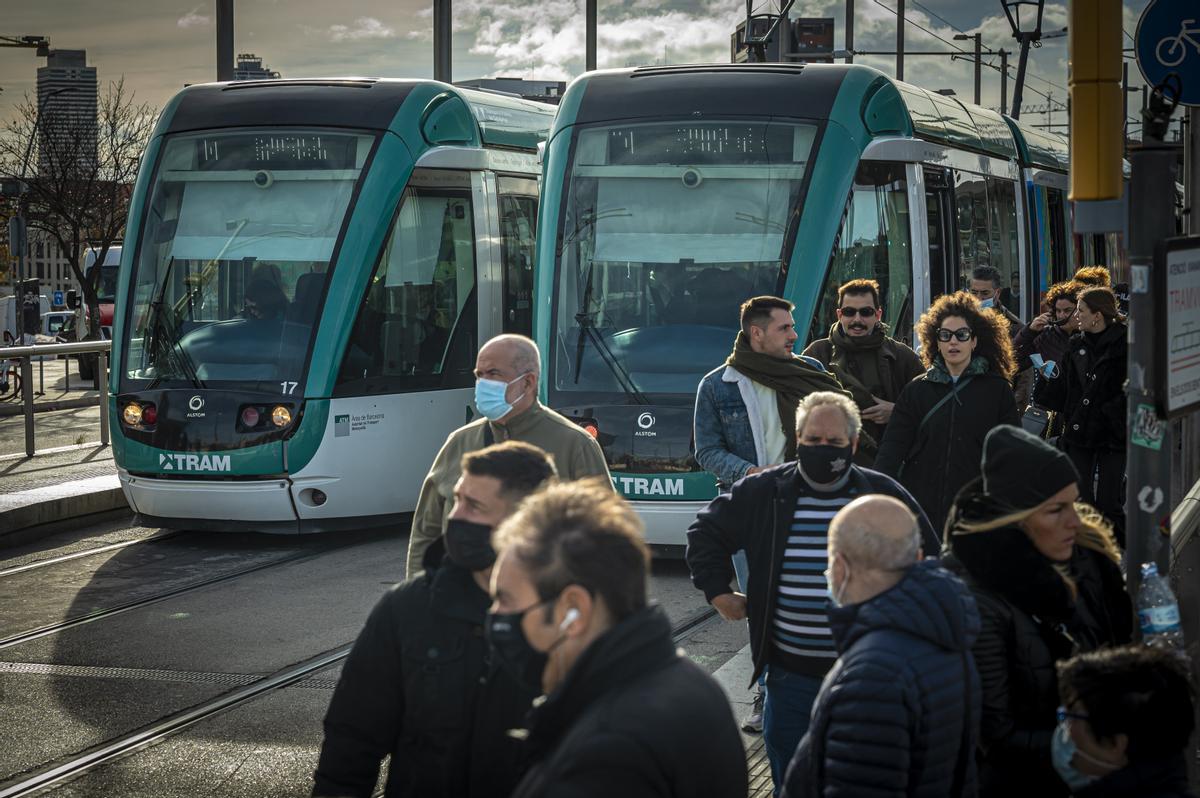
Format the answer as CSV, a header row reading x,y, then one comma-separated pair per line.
x,y
1048,585
935,437
1089,395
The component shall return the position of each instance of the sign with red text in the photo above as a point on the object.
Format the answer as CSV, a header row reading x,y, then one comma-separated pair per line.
x,y
1177,267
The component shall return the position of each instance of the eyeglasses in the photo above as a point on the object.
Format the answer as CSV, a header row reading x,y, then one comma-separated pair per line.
x,y
963,334
852,312
1063,714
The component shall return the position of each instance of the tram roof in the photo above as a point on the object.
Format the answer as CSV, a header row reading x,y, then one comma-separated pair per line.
x,y
808,90
1041,148
363,103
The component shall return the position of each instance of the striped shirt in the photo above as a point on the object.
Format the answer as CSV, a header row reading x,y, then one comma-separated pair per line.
x,y
800,636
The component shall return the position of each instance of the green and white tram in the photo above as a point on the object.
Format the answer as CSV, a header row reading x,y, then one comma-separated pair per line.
x,y
310,268
672,194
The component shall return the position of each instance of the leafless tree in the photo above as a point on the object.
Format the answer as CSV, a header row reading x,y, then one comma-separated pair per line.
x,y
79,175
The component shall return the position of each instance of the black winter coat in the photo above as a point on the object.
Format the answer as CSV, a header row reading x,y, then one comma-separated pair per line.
x,y
1090,390
1029,620
635,719
935,459
417,685
756,515
899,713
1160,778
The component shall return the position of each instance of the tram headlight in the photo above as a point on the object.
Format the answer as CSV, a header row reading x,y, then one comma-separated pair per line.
x,y
281,416
132,414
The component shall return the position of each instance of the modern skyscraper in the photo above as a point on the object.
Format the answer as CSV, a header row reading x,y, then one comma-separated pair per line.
x,y
67,99
250,67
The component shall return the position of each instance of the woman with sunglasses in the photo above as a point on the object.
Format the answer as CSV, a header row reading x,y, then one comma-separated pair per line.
x,y
1045,574
933,442
1089,394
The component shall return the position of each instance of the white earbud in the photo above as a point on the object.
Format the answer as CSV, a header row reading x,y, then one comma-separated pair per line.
x,y
571,617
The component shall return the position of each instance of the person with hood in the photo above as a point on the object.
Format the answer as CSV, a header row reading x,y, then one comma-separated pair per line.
x,y
624,712
418,684
1089,395
899,712
873,366
1125,723
933,442
1047,580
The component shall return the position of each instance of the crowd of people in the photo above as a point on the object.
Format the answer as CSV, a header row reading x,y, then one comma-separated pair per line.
x,y
934,593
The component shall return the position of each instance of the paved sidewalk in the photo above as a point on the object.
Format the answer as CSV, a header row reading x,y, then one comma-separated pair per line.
x,y
733,677
55,485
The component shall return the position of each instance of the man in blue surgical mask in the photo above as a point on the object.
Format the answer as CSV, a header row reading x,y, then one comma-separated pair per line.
x,y
506,384
986,285
781,517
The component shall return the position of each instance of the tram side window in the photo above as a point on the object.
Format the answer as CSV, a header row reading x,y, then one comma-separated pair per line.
x,y
518,224
873,243
987,232
416,328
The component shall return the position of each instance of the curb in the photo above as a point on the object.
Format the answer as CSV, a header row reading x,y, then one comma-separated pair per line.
x,y
37,519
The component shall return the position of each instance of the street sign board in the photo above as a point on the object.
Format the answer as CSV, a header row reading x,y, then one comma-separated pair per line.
x,y
58,299
1177,292
1168,40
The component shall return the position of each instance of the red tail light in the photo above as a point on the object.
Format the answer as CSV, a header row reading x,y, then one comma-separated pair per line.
x,y
149,415
250,417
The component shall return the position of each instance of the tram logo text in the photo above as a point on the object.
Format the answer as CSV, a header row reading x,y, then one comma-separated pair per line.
x,y
193,462
642,486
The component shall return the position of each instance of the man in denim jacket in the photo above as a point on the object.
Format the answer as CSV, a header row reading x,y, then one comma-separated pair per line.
x,y
744,417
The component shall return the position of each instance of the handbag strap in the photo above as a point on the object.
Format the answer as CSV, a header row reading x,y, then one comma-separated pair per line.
x,y
958,386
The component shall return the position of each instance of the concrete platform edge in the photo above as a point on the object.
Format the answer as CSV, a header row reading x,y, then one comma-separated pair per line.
x,y
19,525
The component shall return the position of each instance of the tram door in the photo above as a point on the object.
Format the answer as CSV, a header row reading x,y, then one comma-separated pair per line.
x,y
939,205
518,205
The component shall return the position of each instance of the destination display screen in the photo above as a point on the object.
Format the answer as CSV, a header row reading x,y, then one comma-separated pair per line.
x,y
701,143
277,151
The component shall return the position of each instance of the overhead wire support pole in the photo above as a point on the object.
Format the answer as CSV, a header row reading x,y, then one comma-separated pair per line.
x,y
224,40
589,35
1003,81
443,33
899,39
849,31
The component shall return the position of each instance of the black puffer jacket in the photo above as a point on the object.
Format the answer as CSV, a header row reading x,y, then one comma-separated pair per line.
x,y
1090,390
933,460
635,719
899,713
417,685
1030,619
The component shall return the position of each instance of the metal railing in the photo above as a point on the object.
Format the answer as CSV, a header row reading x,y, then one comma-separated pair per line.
x,y
26,354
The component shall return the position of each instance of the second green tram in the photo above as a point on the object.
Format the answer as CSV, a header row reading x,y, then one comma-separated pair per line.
x,y
309,269
672,194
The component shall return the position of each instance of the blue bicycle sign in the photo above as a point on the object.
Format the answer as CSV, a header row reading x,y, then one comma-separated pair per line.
x,y
1168,41
1171,51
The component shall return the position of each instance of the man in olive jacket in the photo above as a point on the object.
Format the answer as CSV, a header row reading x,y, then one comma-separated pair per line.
x,y
418,684
506,372
869,363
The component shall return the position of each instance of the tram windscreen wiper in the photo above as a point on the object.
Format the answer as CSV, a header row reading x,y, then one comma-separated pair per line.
x,y
587,331
164,341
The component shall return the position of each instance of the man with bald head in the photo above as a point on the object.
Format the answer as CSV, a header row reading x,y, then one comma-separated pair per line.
x,y
507,371
898,714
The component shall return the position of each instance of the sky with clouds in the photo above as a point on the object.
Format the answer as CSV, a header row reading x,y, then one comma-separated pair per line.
x,y
158,47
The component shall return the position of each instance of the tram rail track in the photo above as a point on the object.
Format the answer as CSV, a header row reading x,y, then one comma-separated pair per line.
x,y
77,555
130,744
109,612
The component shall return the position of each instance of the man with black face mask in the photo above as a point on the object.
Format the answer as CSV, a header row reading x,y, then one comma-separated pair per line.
x,y
781,517
625,713
418,683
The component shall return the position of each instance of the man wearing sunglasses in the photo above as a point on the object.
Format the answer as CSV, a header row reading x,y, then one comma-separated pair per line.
x,y
869,363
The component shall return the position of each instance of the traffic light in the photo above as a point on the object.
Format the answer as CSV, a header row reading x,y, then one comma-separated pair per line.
x,y
1097,130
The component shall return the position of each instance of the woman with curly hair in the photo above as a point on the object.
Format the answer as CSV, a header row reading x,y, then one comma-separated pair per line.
x,y
1045,574
1089,396
933,442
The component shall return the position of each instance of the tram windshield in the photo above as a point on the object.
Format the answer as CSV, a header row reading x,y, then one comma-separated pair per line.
x,y
667,228
235,251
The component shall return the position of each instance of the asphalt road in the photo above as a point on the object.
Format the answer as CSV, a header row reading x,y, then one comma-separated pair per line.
x,y
169,623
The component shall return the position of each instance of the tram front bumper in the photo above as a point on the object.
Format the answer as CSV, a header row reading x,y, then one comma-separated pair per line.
x,y
265,505
667,522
